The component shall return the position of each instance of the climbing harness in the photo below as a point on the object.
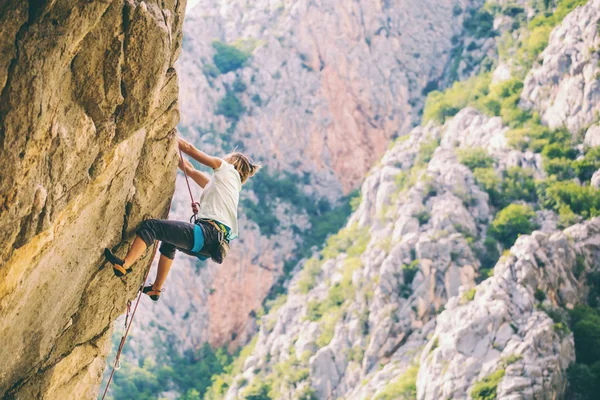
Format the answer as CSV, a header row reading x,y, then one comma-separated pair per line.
x,y
187,181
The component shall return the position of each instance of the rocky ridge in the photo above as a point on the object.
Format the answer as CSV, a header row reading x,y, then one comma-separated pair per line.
x,y
564,87
88,110
505,327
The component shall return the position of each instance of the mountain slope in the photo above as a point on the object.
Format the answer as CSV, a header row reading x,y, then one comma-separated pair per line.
x,y
361,319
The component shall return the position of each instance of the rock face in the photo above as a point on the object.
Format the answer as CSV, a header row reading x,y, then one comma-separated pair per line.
x,y
564,88
505,327
88,109
326,87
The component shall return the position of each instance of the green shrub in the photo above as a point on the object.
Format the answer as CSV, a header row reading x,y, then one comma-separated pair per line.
x,y
410,271
480,24
502,96
308,276
351,239
469,295
314,310
336,296
210,71
512,221
584,377
230,107
517,184
566,217
441,105
489,181
490,254
256,100
539,295
584,382
534,44
474,158
220,383
328,328
586,332
239,86
404,387
585,168
485,389
259,389
228,58
513,358
579,265
356,354
426,150
559,168
582,200
423,216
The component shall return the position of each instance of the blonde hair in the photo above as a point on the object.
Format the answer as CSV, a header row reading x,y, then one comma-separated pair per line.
x,y
243,165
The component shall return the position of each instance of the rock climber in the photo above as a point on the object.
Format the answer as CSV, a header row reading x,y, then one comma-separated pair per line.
x,y
216,217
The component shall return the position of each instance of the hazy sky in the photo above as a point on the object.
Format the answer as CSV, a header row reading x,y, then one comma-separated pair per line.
x,y
191,3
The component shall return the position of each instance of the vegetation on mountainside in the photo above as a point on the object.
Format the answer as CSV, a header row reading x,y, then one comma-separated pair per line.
x,y
287,375
403,387
230,107
485,389
562,160
501,99
512,221
282,191
189,374
228,58
584,375
293,373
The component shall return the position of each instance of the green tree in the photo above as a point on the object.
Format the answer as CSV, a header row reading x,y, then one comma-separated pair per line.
x,y
228,58
512,221
230,107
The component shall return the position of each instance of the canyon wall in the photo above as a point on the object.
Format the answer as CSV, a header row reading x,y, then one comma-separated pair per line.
x,y
88,110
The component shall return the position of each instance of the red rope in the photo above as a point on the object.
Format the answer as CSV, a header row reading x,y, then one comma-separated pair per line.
x,y
187,181
124,337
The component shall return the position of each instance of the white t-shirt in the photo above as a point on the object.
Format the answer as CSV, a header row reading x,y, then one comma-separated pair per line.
x,y
220,197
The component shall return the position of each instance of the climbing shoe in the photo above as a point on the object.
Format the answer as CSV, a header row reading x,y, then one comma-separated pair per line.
x,y
154,294
117,263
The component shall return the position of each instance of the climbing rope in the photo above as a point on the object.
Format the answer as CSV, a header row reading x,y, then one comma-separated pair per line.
x,y
127,326
187,181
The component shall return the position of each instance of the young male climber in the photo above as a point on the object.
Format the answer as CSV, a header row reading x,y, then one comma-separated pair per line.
x,y
216,224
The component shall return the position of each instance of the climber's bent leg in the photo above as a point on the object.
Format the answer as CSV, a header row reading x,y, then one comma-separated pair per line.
x,y
164,265
135,251
176,233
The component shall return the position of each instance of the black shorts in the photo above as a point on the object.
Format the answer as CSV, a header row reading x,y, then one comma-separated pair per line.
x,y
176,235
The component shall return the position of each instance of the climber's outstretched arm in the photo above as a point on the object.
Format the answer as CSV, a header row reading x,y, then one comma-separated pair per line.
x,y
200,156
198,176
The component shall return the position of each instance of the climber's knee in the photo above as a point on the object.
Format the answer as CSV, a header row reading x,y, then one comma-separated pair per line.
x,y
167,250
147,232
